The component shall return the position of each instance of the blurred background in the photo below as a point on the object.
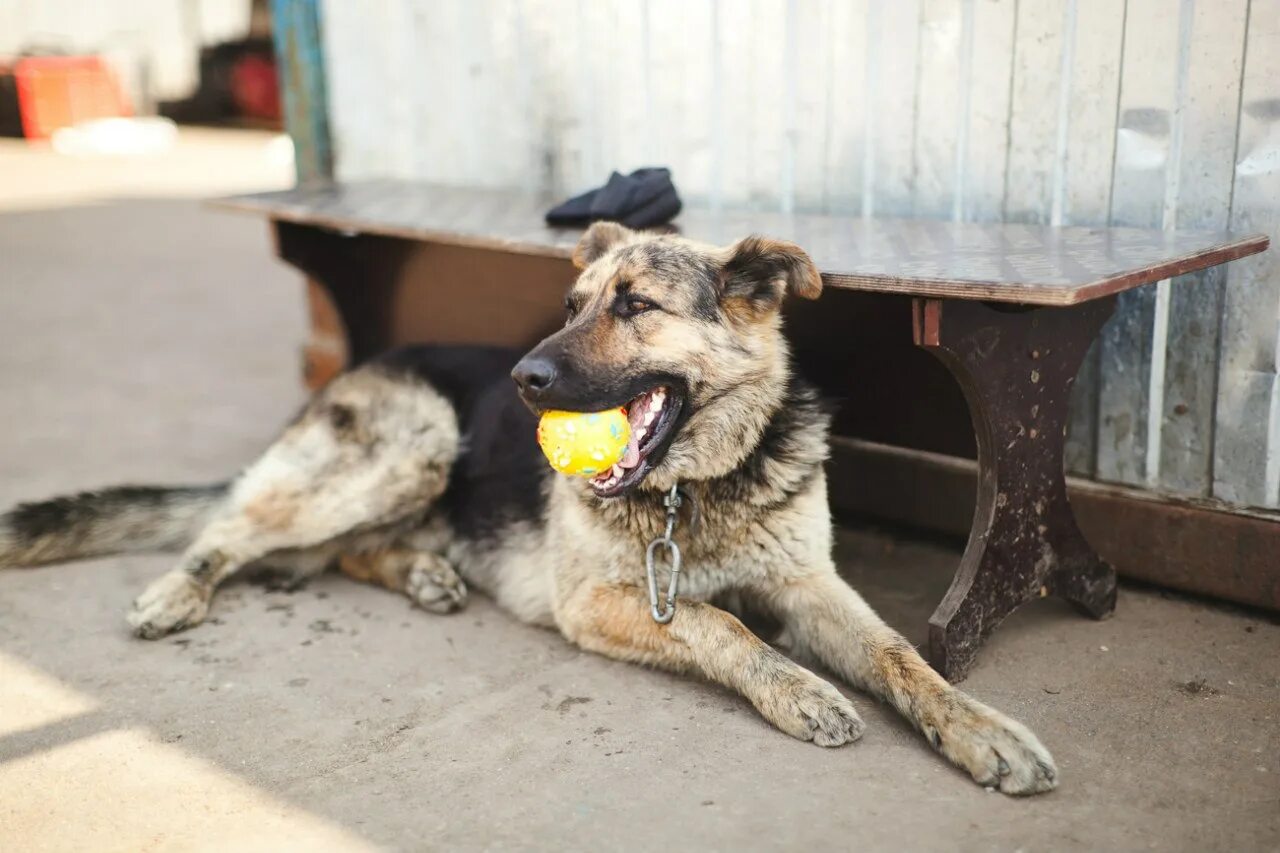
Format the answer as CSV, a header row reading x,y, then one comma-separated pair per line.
x,y
67,61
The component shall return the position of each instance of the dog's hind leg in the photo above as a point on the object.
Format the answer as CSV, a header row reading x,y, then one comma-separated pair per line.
x,y
369,452
428,579
830,620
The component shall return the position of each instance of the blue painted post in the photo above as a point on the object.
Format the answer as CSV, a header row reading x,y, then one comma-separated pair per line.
x,y
300,65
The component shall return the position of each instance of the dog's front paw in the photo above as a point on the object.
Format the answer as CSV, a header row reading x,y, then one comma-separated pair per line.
x,y
173,602
434,586
996,751
809,708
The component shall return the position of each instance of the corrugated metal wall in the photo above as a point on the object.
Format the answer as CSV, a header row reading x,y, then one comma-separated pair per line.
x,y
1156,113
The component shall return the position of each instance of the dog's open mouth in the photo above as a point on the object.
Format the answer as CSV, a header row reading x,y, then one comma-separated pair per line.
x,y
653,417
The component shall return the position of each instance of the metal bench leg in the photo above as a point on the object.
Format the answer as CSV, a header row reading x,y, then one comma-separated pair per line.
x,y
1016,367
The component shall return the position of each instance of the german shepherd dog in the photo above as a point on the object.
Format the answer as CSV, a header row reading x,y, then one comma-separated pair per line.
x,y
420,471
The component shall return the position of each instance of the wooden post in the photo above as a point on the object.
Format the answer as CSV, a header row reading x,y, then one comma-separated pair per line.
x,y
300,62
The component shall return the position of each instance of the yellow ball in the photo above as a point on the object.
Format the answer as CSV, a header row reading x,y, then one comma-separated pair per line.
x,y
583,444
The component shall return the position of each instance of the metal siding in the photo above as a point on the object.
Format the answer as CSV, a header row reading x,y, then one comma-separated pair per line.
x,y
983,159
1247,439
846,138
1145,134
354,107
688,128
813,80
1035,110
941,89
1158,113
889,169
1202,200
1095,29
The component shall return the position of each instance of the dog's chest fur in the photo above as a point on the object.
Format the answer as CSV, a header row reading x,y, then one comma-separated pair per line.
x,y
734,545
769,512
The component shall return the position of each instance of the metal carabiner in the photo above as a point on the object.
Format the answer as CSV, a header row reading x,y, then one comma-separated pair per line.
x,y
662,612
665,612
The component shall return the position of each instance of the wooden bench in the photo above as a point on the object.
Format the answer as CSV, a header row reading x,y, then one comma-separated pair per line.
x,y
1010,310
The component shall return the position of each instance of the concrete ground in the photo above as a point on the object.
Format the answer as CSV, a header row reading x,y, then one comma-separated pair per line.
x,y
146,338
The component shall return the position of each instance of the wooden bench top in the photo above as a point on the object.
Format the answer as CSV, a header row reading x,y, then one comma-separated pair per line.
x,y
1027,264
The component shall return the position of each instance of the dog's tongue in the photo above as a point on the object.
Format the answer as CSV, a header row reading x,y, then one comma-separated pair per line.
x,y
636,416
632,456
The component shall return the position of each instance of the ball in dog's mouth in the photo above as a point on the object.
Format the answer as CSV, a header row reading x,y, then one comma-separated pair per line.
x,y
652,416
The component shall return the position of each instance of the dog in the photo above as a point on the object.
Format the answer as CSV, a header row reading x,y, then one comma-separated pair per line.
x,y
420,471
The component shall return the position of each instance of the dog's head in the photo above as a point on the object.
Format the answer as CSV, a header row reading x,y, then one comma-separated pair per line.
x,y
687,337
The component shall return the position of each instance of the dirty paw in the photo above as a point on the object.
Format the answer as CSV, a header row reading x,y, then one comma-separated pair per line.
x,y
173,602
434,586
998,752
811,709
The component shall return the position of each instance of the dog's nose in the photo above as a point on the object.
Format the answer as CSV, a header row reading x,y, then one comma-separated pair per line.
x,y
534,375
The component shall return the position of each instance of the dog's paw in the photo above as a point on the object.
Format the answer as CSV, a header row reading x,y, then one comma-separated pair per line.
x,y
809,708
434,586
996,751
171,603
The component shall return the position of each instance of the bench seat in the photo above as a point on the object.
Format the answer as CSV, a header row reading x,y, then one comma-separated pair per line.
x,y
1026,264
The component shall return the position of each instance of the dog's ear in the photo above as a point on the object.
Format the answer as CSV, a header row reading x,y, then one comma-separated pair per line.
x,y
598,239
758,272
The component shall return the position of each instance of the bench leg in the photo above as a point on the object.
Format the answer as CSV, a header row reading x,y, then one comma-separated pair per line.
x,y
1016,367
351,287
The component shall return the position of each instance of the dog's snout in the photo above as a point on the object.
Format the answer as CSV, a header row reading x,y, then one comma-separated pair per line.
x,y
534,375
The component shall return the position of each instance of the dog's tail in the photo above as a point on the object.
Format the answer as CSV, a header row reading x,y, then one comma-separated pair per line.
x,y
119,520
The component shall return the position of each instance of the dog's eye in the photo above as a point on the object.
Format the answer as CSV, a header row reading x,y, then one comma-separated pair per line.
x,y
570,308
629,306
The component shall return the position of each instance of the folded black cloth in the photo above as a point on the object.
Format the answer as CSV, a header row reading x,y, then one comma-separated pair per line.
x,y
643,199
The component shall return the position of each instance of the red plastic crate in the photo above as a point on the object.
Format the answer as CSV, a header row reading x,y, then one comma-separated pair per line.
x,y
59,91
